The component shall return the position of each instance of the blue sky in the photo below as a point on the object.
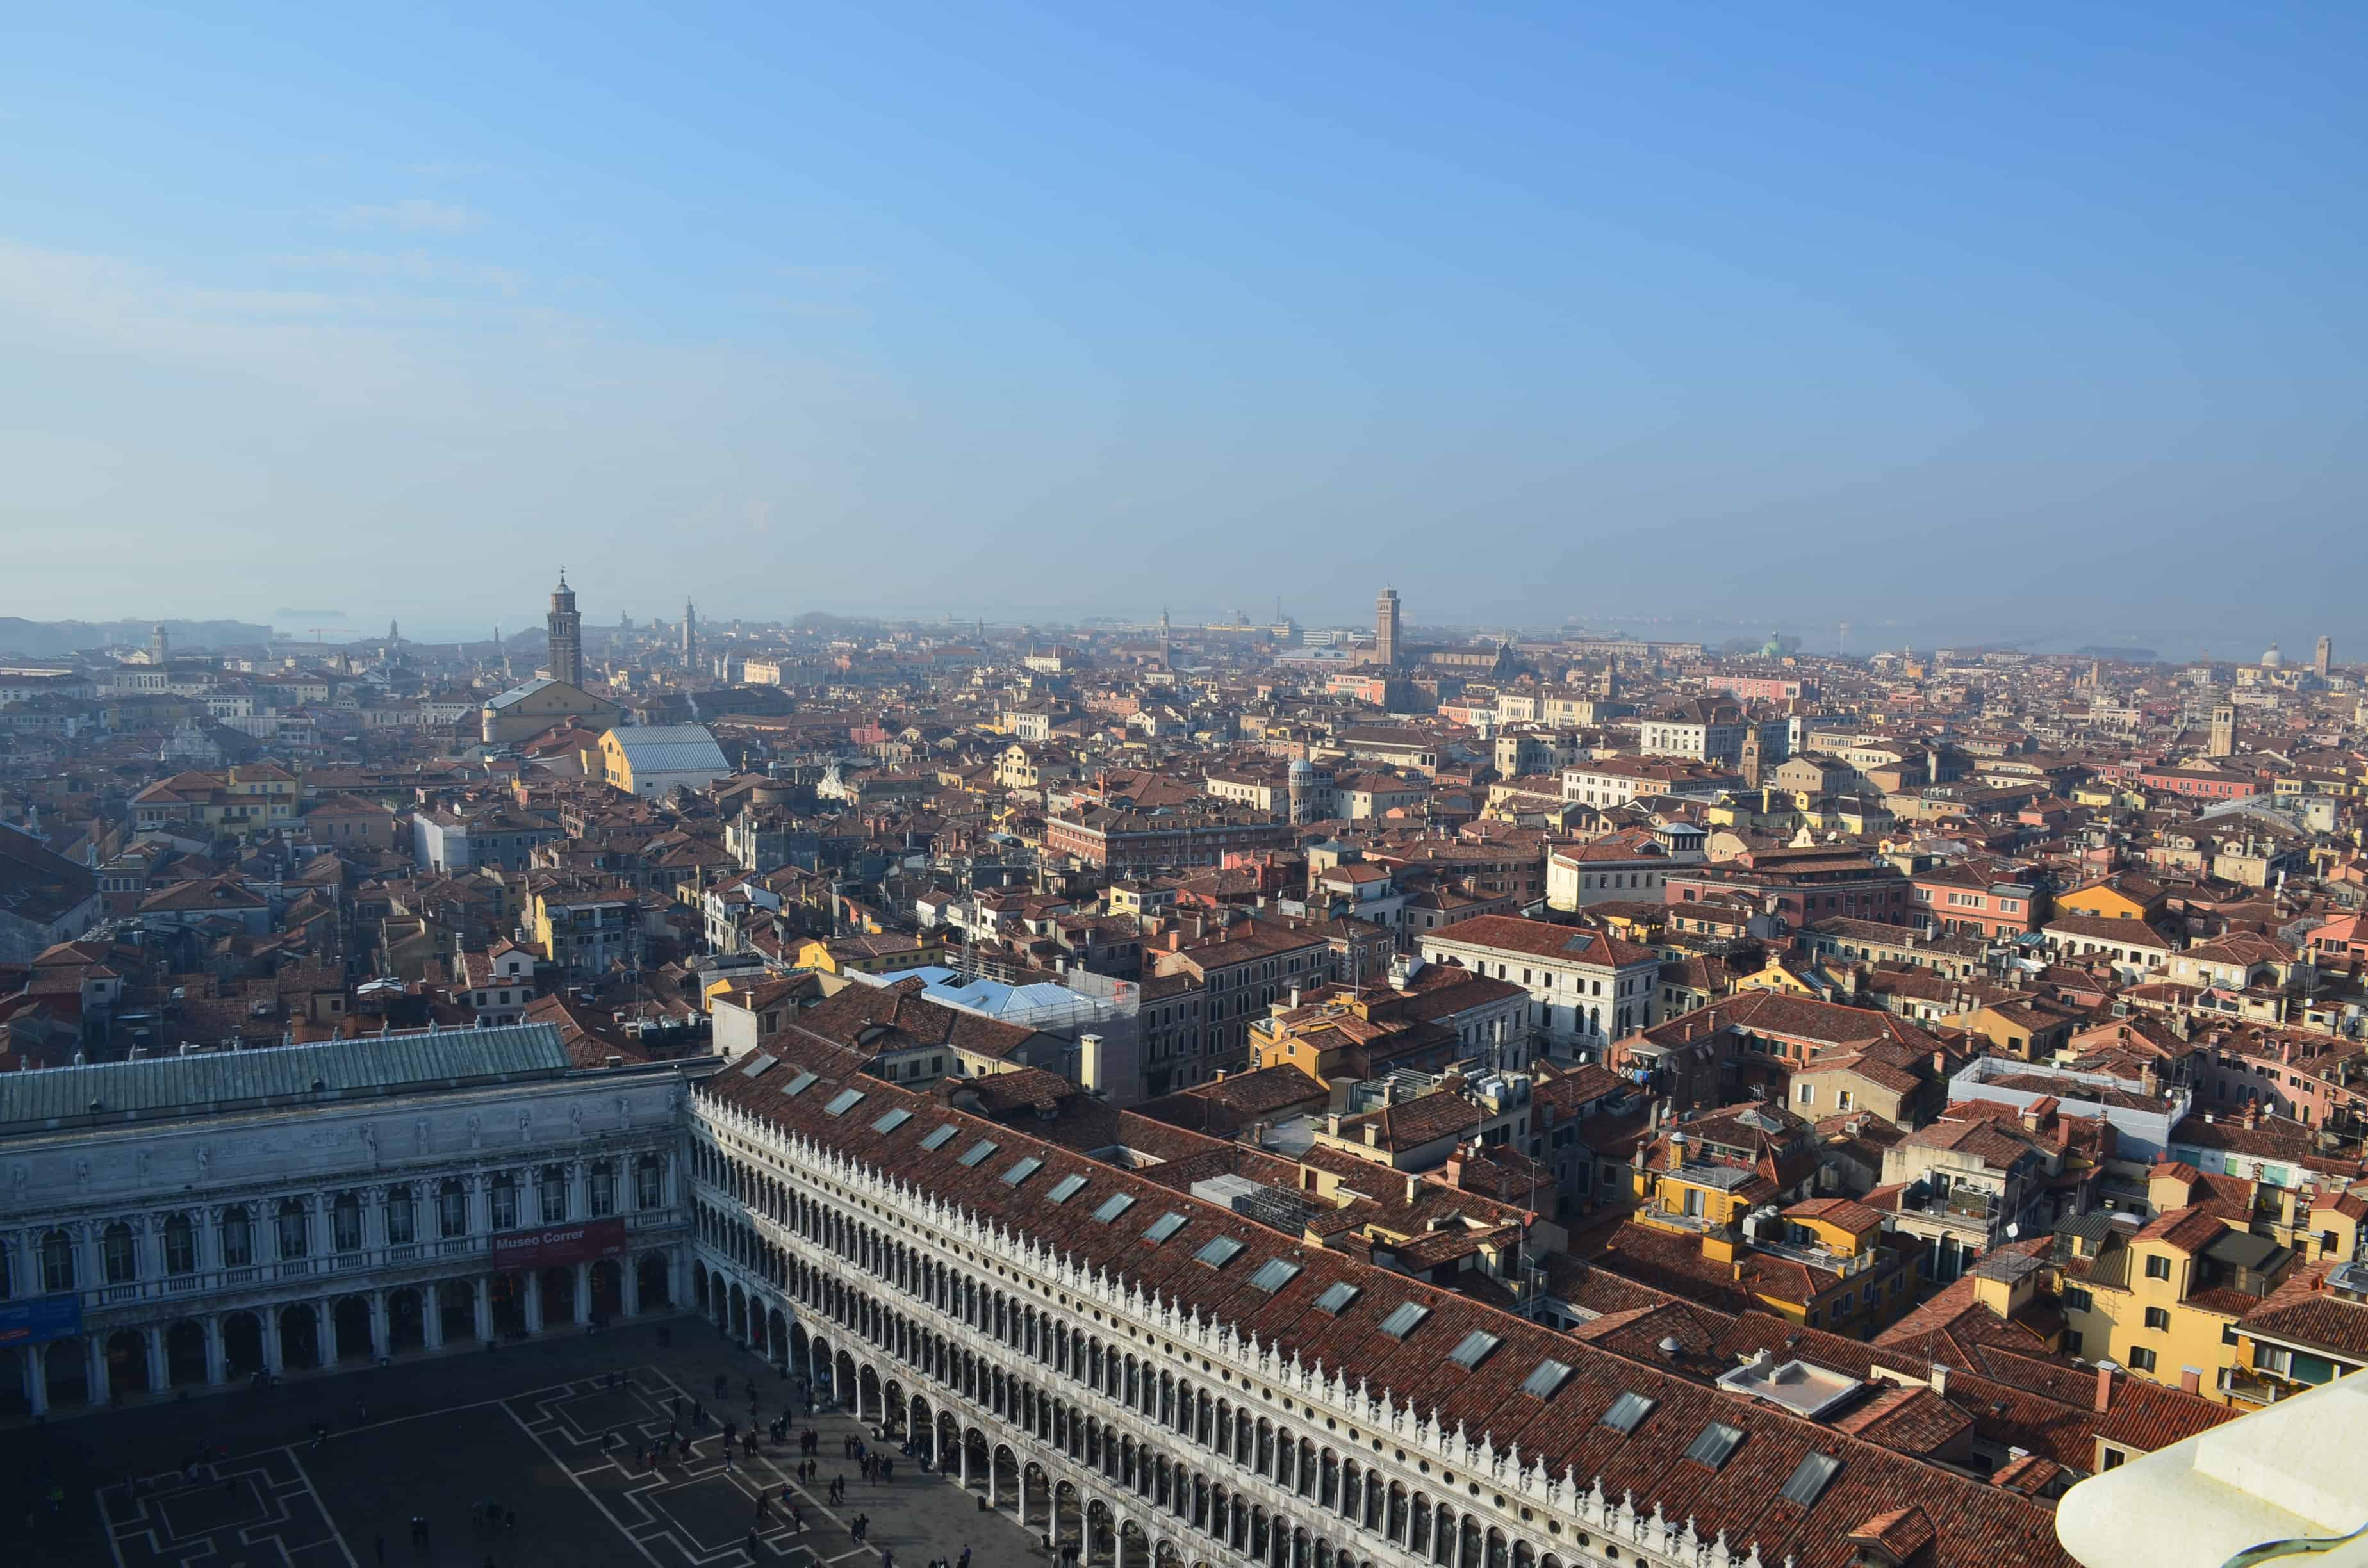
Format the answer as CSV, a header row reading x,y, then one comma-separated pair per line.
x,y
2011,317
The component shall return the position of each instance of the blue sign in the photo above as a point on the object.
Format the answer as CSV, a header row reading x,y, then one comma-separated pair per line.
x,y
39,1320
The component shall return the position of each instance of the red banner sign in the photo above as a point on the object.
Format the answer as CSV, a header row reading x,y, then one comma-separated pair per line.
x,y
555,1244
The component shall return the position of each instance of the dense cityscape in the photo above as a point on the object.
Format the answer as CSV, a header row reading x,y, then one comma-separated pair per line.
x,y
1224,1092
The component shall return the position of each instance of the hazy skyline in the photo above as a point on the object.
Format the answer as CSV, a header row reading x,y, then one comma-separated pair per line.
x,y
2039,319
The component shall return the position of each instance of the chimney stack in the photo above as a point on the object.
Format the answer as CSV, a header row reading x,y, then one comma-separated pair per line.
x,y
1939,1379
1677,1151
2105,1370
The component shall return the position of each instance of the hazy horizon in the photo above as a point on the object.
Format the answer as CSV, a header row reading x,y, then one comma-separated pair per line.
x,y
2032,323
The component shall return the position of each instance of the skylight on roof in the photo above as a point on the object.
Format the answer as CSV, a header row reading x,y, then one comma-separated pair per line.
x,y
1404,1319
801,1084
938,1139
1336,1299
1542,1383
1716,1444
892,1121
1474,1349
977,1151
1810,1478
1628,1412
1113,1207
842,1102
1066,1188
757,1065
1218,1252
1022,1171
1274,1274
1167,1225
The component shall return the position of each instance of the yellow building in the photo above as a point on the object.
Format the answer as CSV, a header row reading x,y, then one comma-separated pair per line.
x,y
1138,899
1325,1040
2164,1302
870,954
587,930
654,760
1781,974
1820,1262
2106,900
249,800
541,704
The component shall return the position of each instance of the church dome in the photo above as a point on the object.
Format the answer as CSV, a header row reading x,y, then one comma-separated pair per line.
x,y
2273,660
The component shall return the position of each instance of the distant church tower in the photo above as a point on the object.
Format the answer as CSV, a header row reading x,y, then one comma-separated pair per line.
x,y
566,634
2223,732
2323,658
160,645
689,636
1166,658
1750,753
1385,629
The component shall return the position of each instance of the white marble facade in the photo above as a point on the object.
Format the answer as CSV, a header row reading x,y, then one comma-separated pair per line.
x,y
209,1248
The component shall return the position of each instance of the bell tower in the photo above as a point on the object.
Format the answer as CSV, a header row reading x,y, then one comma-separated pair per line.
x,y
566,634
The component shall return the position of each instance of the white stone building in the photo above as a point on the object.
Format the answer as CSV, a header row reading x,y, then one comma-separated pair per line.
x,y
185,1220
1146,1372
1585,989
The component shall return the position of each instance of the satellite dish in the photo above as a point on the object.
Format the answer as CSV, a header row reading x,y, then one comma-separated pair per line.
x,y
2013,1229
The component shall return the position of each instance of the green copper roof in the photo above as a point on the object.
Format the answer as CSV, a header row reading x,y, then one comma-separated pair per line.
x,y
200,1082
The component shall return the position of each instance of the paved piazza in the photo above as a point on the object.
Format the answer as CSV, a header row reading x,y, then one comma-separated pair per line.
x,y
527,1428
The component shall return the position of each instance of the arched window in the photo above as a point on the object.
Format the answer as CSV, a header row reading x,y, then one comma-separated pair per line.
x,y
57,1261
237,1236
292,1237
119,1254
603,1184
649,1181
346,1223
180,1245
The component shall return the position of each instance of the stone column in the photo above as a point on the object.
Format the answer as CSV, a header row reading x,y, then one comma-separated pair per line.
x,y
579,1191
583,1292
481,1204
101,1386
217,1373
965,1460
431,1321
159,1368
37,1378
382,1332
325,1328
484,1307
629,1284
533,1283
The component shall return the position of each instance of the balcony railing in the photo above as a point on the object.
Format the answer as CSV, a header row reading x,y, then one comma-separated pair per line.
x,y
245,1277
2251,1388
